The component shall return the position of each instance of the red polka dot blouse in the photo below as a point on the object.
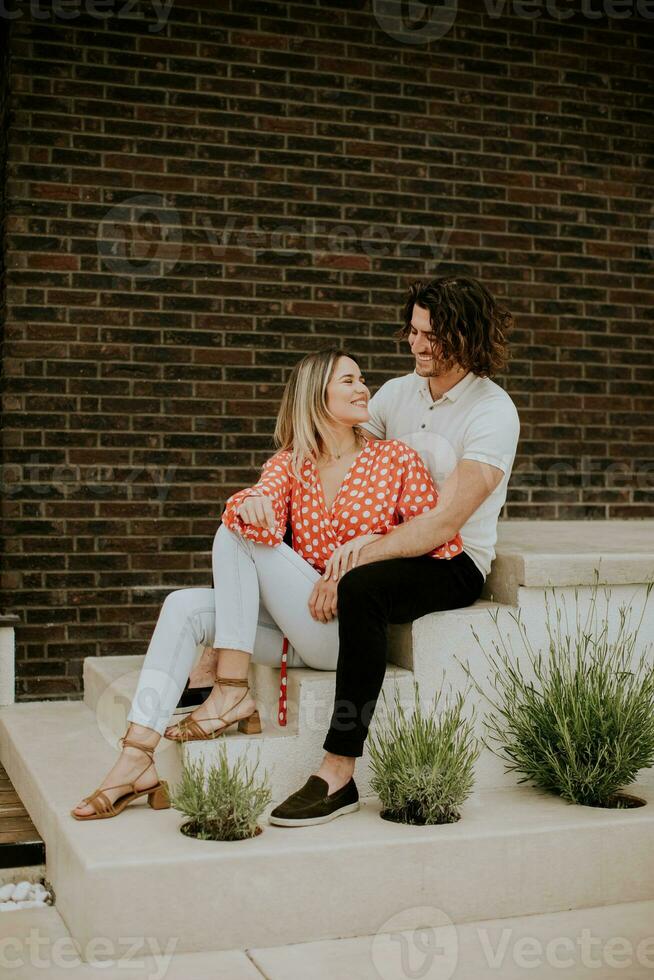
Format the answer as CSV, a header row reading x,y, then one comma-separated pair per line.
x,y
387,484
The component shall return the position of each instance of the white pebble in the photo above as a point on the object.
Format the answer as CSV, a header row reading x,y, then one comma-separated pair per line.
x,y
8,906
6,892
21,891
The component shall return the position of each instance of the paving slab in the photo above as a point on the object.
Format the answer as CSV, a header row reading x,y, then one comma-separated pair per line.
x,y
36,943
602,943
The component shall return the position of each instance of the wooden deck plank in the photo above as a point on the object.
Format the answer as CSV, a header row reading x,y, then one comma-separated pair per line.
x,y
9,796
10,810
19,838
16,823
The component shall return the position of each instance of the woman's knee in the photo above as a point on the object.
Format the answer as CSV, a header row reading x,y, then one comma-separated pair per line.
x,y
194,604
226,541
180,600
222,534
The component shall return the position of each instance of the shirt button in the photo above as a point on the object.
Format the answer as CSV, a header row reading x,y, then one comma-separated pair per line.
x,y
423,426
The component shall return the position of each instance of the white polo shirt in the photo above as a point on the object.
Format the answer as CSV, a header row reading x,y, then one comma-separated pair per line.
x,y
475,419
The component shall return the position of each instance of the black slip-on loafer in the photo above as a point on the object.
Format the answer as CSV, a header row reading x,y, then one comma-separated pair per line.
x,y
312,804
191,698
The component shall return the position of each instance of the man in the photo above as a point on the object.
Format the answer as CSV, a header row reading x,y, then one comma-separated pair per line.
x,y
466,429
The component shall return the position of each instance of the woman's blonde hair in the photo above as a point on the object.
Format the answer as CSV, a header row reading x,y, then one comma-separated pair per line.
x,y
303,420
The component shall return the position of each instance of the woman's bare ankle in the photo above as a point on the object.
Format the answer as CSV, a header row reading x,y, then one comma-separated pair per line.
x,y
204,672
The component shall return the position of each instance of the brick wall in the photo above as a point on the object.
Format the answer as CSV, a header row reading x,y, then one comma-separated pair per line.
x,y
191,208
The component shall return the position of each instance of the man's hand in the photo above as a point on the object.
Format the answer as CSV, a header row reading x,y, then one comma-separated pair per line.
x,y
322,601
346,556
258,511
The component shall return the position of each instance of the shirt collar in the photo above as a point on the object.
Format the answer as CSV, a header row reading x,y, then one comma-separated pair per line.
x,y
455,392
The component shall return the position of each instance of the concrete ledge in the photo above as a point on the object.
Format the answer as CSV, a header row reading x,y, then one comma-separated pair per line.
x,y
513,852
536,554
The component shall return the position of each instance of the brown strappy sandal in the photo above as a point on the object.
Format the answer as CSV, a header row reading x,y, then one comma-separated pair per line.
x,y
157,795
192,731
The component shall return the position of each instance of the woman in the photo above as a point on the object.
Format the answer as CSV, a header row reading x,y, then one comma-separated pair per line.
x,y
338,488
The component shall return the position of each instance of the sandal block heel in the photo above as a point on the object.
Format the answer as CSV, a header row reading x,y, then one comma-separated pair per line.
x,y
250,725
159,799
190,729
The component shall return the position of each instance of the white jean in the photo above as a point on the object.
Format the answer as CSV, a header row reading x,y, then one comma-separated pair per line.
x,y
261,595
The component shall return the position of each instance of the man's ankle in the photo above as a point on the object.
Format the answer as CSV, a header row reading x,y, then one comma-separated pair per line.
x,y
339,763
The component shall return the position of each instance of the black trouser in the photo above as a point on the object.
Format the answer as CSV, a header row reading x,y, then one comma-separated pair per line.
x,y
369,598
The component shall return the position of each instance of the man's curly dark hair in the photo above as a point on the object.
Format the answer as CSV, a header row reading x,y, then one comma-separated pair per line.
x,y
469,324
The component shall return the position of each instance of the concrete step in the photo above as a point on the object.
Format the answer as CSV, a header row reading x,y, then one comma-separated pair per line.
x,y
432,650
514,852
438,649
288,753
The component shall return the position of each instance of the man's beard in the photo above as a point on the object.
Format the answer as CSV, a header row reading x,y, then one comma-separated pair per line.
x,y
432,370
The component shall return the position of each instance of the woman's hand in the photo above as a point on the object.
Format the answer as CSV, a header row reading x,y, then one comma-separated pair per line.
x,y
322,601
339,561
258,511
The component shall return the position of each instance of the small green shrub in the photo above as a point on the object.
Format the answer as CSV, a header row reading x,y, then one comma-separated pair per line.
x,y
581,725
423,765
223,803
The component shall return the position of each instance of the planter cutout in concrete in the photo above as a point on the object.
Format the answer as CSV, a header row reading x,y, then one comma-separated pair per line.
x,y
192,829
619,801
417,821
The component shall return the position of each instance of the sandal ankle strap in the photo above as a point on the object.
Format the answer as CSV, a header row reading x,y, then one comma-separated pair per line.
x,y
135,745
233,681
138,745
